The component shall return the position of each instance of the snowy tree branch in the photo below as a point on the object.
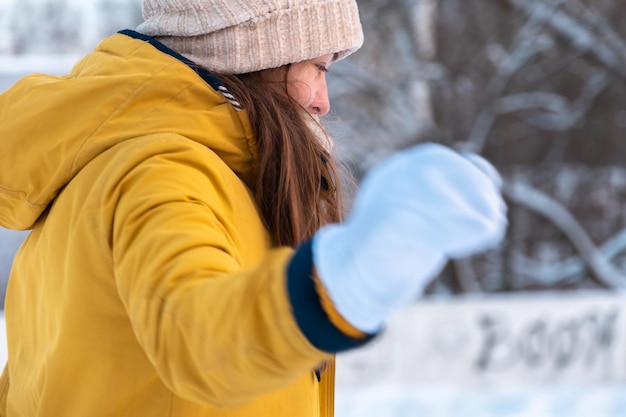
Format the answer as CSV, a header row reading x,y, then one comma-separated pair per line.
x,y
566,270
579,35
562,115
530,198
528,44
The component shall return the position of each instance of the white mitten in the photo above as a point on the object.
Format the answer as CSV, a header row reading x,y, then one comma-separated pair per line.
x,y
413,212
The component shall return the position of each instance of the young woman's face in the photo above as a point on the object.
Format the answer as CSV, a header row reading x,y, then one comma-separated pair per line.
x,y
306,83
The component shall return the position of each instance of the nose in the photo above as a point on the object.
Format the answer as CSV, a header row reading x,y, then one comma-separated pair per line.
x,y
320,105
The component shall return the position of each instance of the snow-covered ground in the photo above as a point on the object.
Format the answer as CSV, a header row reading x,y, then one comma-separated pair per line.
x,y
524,401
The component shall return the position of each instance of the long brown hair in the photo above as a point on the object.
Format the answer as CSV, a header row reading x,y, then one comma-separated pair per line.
x,y
297,189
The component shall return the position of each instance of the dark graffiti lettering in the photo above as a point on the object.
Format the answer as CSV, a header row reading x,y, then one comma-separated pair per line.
x,y
546,343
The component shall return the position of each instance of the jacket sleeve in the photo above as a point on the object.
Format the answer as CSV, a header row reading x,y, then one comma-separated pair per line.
x,y
217,332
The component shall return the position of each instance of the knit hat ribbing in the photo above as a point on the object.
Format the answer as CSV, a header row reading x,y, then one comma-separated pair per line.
x,y
240,36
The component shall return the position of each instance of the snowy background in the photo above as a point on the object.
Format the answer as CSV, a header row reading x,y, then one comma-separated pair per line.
x,y
516,355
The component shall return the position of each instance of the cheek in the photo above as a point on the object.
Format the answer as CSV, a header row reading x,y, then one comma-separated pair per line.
x,y
301,92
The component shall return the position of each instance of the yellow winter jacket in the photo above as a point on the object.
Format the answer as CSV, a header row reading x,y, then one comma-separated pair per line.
x,y
148,285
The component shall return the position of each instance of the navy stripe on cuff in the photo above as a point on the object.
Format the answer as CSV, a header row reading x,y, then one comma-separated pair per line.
x,y
307,307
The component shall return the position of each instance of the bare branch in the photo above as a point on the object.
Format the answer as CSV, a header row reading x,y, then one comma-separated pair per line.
x,y
598,23
532,101
528,44
424,13
569,28
564,115
566,270
528,197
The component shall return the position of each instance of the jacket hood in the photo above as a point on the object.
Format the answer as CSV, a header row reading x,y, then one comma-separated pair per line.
x,y
130,86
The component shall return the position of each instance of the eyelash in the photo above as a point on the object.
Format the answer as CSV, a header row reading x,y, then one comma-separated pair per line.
x,y
322,68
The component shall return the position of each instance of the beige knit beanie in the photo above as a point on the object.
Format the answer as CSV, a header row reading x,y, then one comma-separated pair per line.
x,y
240,36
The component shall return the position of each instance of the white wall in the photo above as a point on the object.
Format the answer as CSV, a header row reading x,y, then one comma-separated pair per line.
x,y
488,341
517,355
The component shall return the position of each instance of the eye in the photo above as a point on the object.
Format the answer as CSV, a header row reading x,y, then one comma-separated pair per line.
x,y
321,68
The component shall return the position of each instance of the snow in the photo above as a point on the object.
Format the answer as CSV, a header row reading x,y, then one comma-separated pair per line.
x,y
529,401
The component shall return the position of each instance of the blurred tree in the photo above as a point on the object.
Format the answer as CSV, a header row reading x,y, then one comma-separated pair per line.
x,y
537,87
114,15
62,26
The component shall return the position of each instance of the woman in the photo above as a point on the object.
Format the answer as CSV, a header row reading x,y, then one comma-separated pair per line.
x,y
177,187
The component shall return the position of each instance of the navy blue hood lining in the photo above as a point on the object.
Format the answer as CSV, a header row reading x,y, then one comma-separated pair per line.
x,y
205,74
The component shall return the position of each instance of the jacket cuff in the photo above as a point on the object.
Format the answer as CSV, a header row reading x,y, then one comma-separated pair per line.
x,y
306,303
331,311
